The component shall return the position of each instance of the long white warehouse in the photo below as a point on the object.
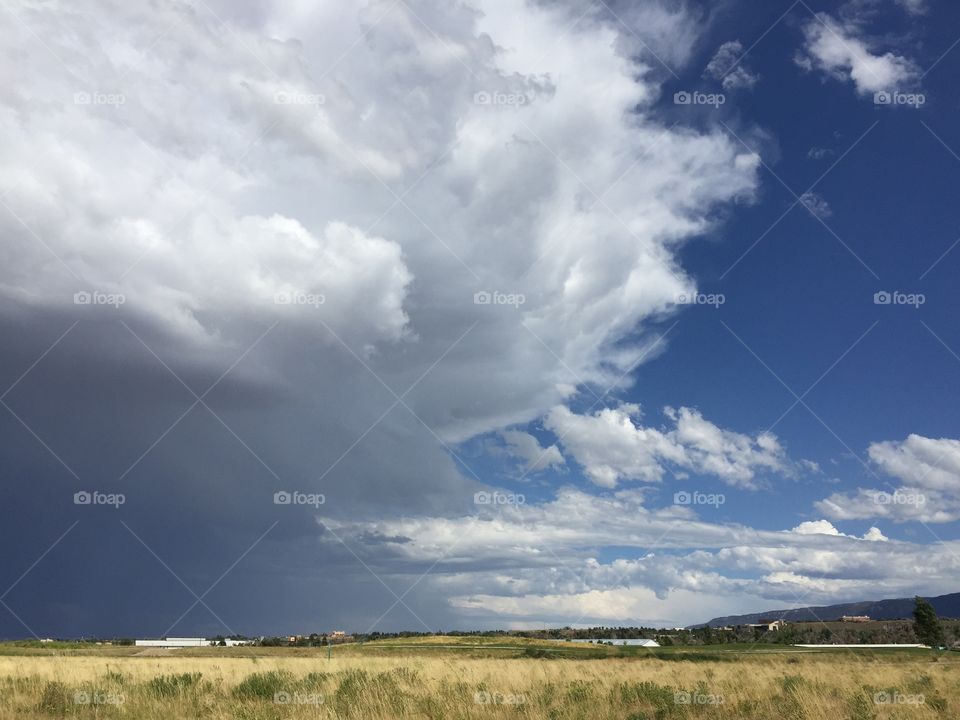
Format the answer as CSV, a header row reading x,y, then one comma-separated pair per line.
x,y
174,642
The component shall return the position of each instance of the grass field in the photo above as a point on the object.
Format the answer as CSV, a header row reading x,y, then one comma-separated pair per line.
x,y
448,677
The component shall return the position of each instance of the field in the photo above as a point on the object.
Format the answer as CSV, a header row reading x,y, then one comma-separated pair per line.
x,y
449,677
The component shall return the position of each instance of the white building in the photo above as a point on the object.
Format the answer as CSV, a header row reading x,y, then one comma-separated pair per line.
x,y
614,641
171,642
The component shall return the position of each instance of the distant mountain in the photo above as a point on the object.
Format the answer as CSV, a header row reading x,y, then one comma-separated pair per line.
x,y
947,606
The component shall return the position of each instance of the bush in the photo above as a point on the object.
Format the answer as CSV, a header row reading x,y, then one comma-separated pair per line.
x,y
263,686
170,685
54,698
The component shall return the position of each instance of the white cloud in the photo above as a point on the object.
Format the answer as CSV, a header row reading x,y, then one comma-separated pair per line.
x,y
825,527
249,159
914,7
819,153
728,67
525,446
839,49
816,205
920,462
612,446
540,561
929,471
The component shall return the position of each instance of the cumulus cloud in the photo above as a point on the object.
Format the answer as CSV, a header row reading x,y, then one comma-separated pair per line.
x,y
527,448
929,472
825,527
839,49
612,446
728,67
920,462
541,560
282,168
203,164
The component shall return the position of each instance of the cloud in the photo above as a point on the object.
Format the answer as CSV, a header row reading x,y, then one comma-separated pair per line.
x,y
612,447
825,527
914,7
929,471
819,153
535,457
726,66
816,205
839,50
202,164
920,462
542,560
251,186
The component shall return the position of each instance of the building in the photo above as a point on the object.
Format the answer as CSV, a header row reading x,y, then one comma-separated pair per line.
x,y
174,642
852,645
617,641
768,624
855,618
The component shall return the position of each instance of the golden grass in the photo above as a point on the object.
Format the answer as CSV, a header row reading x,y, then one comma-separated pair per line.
x,y
365,684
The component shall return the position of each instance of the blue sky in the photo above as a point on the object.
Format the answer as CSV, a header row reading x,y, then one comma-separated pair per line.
x,y
278,292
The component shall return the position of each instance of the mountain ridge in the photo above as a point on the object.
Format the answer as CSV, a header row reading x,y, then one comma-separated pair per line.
x,y
888,609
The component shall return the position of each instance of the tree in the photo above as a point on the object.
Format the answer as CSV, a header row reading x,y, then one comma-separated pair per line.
x,y
926,624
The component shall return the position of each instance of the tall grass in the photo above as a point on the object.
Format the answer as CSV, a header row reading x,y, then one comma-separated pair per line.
x,y
376,687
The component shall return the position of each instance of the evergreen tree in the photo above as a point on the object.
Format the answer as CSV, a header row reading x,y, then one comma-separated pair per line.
x,y
926,624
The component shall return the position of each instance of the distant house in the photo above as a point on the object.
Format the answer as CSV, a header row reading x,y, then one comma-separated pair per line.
x,y
768,625
855,618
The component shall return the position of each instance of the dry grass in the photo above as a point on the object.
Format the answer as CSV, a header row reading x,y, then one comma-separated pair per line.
x,y
366,684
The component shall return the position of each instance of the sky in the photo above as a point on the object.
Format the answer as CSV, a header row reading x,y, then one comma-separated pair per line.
x,y
428,316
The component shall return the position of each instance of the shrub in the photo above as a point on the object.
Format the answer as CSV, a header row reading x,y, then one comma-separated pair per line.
x,y
170,685
263,686
54,698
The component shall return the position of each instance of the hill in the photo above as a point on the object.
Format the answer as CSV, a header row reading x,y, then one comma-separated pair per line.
x,y
947,606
